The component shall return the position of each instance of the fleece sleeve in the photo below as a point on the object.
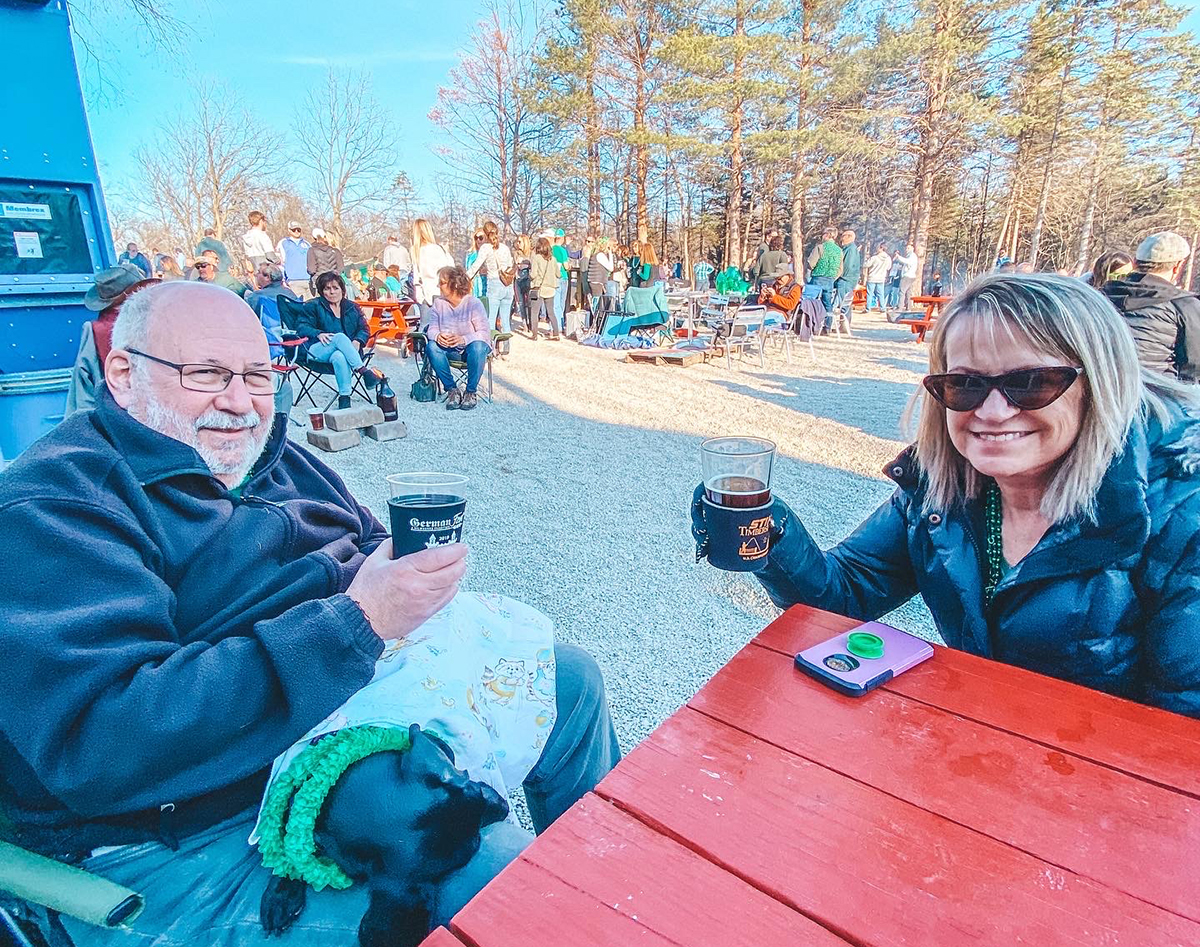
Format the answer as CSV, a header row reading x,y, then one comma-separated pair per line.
x,y
107,705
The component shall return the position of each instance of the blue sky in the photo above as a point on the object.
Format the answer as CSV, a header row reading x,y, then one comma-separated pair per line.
x,y
271,52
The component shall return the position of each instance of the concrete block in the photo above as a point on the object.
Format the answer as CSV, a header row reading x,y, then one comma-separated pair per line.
x,y
352,418
387,431
334,440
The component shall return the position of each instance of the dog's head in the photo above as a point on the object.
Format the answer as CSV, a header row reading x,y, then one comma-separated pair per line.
x,y
402,821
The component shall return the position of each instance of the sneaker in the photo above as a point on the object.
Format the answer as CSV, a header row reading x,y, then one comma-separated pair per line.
x,y
453,400
343,401
469,400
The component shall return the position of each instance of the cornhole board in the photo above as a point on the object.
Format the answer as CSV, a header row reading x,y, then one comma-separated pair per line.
x,y
681,358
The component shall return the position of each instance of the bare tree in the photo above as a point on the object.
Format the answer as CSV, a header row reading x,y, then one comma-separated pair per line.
x,y
483,112
350,148
204,165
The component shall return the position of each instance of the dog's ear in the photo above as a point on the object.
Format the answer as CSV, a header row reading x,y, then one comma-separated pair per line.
x,y
282,901
396,918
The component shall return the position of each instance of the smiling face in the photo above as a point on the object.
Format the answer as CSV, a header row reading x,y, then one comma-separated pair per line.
x,y
229,428
997,439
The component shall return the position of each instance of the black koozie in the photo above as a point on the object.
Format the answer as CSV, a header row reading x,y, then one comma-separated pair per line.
x,y
422,522
738,539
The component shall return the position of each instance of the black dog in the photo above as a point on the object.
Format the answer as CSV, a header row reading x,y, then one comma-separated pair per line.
x,y
398,822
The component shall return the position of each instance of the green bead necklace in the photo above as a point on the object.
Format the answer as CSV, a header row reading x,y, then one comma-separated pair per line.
x,y
993,522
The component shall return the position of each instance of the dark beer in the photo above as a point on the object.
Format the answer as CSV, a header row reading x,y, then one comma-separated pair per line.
x,y
424,521
738,493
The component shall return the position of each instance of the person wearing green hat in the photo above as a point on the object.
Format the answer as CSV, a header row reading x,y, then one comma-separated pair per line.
x,y
111,288
561,255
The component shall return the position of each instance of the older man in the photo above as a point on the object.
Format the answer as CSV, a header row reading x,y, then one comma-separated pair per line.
x,y
208,270
1164,318
184,592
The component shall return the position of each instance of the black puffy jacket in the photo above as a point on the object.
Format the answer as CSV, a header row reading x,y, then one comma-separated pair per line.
x,y
1165,321
1113,605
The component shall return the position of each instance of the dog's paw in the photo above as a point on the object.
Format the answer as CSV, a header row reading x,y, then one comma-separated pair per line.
x,y
281,904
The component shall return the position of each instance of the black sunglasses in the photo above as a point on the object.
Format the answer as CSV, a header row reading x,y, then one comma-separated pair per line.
x,y
1028,389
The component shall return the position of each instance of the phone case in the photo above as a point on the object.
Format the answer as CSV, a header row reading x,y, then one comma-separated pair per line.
x,y
853,666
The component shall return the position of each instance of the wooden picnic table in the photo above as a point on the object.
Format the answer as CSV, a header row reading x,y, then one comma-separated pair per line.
x,y
933,305
964,802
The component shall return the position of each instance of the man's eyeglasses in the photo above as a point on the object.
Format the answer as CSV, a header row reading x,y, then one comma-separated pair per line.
x,y
1028,389
203,266
213,378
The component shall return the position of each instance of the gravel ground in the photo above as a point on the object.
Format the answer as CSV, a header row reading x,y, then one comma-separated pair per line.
x,y
583,469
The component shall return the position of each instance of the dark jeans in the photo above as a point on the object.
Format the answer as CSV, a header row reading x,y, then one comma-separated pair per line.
x,y
207,893
474,353
826,284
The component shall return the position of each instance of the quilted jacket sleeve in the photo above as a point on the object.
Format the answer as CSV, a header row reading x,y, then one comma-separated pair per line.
x,y
1171,652
866,575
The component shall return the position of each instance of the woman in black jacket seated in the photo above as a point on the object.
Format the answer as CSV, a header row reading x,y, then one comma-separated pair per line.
x,y
337,332
1048,511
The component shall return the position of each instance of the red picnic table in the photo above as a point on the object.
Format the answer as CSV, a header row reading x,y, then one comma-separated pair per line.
x,y
933,306
964,802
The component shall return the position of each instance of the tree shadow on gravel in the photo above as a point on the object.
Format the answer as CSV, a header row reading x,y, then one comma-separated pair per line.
x,y
869,404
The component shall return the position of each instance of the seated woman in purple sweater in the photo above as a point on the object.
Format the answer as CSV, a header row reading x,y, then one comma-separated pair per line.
x,y
458,327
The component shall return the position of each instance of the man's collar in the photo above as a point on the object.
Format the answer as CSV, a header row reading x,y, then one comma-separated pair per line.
x,y
153,456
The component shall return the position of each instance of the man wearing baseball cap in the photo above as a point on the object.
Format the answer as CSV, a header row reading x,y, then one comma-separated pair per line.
x,y
292,251
1164,318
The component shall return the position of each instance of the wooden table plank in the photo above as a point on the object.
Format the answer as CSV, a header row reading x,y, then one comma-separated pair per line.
x,y
440,937
871,867
1145,741
598,876
1138,837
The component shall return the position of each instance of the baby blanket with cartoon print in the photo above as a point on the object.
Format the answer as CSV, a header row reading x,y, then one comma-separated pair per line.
x,y
480,673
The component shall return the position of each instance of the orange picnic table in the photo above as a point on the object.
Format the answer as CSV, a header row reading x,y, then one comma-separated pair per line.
x,y
964,802
933,306
386,319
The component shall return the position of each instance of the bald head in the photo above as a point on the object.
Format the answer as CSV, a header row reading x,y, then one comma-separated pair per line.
x,y
179,317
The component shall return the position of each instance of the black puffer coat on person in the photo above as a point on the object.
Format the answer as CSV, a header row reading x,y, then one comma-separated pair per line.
x,y
1165,321
1113,605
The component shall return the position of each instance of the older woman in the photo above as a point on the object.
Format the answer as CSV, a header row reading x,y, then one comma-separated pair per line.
x,y
1047,512
337,332
458,327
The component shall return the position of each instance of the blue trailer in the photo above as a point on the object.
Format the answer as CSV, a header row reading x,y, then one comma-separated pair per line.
x,y
54,233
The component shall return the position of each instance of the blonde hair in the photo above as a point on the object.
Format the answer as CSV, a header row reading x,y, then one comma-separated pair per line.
x,y
491,233
646,253
524,245
1070,320
422,236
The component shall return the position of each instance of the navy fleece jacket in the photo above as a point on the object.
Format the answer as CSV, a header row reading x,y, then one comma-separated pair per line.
x,y
164,640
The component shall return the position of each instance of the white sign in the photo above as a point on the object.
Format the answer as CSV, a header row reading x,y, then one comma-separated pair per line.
x,y
28,211
29,245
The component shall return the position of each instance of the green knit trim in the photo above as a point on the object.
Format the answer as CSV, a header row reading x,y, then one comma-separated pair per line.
x,y
294,802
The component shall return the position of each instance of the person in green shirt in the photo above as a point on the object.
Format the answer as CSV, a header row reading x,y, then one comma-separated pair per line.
x,y
208,271
560,253
847,282
825,264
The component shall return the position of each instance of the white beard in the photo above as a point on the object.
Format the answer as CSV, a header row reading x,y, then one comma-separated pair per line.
x,y
234,461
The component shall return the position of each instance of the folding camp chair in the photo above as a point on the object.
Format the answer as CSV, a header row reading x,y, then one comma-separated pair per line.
x,y
458,366
649,315
746,332
314,372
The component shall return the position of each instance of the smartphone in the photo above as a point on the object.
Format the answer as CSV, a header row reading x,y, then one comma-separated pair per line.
x,y
859,660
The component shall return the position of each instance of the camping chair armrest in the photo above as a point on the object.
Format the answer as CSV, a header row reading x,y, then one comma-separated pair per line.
x,y
418,337
293,341
500,336
66,889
